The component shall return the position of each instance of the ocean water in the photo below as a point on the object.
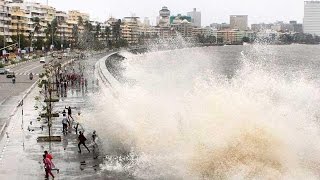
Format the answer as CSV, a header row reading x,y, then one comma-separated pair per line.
x,y
232,112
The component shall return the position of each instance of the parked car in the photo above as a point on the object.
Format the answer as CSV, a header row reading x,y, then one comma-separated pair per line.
x,y
42,60
10,74
3,71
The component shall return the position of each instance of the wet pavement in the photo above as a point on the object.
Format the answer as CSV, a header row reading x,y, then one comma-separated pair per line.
x,y
21,154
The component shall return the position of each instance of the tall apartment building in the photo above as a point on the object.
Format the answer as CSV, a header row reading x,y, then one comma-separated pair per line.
x,y
50,13
74,15
19,20
183,27
164,17
63,30
230,36
239,22
311,20
5,20
195,17
130,29
23,15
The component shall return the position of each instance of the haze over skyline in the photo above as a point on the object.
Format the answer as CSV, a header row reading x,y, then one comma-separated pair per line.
x,y
213,11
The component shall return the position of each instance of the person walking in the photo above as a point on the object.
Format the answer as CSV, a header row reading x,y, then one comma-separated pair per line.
x,y
47,166
82,139
50,157
78,121
65,123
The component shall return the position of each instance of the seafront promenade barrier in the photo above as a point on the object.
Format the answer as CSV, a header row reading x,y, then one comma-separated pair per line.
x,y
104,74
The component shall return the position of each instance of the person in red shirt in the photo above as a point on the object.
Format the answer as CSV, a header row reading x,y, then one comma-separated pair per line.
x,y
49,156
47,166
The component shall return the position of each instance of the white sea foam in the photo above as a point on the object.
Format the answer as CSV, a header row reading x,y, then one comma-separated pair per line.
x,y
184,119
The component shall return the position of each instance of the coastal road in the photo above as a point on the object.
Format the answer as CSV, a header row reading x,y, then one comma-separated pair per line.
x,y
11,94
8,89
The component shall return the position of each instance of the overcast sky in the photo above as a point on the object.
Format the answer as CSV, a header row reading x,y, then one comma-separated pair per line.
x,y
212,10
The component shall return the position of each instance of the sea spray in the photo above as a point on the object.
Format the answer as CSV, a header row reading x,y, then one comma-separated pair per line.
x,y
190,117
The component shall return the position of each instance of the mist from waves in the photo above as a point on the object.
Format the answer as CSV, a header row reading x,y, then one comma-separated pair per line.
x,y
188,116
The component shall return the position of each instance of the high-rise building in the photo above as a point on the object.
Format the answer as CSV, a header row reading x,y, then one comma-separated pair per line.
x,y
195,17
5,20
239,22
130,29
296,27
164,19
311,20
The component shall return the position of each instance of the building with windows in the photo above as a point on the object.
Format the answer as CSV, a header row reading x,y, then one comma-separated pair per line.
x,y
74,15
63,31
130,29
296,27
182,27
164,18
231,36
5,21
19,20
311,20
195,17
218,26
239,22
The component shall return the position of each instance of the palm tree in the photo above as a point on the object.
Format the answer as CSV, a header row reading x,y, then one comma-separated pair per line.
x,y
75,33
36,29
51,30
116,30
88,26
97,31
107,33
80,21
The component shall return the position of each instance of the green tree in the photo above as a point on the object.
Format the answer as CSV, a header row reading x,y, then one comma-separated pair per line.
x,y
36,29
107,32
88,26
246,39
220,40
75,34
97,31
51,32
39,43
80,21
24,42
116,30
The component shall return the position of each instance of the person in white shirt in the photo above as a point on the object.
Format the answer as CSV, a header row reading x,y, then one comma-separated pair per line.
x,y
65,123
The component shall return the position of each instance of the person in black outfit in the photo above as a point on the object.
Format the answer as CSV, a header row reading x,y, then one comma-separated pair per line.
x,y
70,113
82,141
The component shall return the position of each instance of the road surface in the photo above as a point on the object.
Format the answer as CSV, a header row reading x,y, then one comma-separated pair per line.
x,y
11,94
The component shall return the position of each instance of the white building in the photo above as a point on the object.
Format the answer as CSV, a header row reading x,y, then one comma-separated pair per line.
x,y
164,19
5,20
239,22
130,29
195,17
311,20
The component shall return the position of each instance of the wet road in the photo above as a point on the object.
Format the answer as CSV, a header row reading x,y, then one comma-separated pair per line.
x,y
21,71
11,94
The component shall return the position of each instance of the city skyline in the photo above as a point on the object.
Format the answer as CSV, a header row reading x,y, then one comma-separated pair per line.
x,y
218,12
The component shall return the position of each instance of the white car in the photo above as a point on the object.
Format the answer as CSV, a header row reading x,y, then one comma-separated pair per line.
x,y
42,60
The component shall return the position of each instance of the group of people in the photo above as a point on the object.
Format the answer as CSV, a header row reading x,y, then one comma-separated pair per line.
x,y
67,121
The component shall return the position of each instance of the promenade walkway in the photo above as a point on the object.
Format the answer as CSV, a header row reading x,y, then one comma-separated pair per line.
x,y
21,154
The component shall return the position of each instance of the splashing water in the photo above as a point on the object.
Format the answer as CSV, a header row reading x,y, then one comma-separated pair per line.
x,y
197,114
